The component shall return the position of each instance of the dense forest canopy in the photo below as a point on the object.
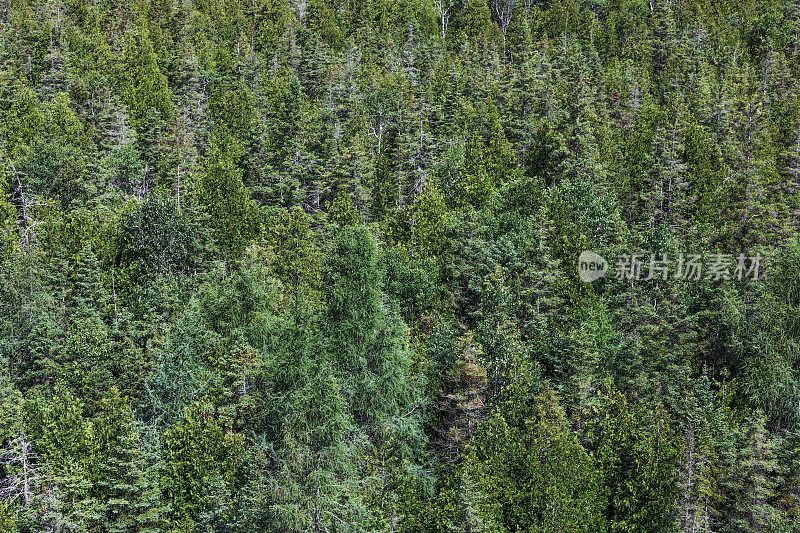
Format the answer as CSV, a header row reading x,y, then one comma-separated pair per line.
x,y
305,265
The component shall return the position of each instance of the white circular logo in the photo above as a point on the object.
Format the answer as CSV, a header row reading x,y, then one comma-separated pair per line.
x,y
591,266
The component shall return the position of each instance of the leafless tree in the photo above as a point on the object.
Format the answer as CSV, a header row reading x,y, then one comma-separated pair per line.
x,y
20,463
502,11
444,9
27,203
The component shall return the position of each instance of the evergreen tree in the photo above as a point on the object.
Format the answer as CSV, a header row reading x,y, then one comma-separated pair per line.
x,y
536,476
227,201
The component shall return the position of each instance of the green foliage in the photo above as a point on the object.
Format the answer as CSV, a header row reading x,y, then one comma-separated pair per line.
x,y
231,212
537,477
145,85
23,122
636,459
353,285
342,211
297,261
311,266
231,109
154,240
368,342
197,449
55,164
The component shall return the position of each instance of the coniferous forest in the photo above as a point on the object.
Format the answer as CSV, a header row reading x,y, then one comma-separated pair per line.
x,y
313,266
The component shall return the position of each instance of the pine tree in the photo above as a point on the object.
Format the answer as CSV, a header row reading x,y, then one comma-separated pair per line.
x,y
297,262
754,475
22,123
146,86
118,477
636,458
59,431
221,191
461,400
472,185
536,476
84,360
367,342
196,450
